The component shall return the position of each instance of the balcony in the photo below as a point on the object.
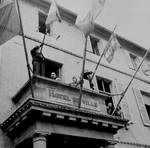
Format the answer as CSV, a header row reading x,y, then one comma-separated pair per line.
x,y
57,103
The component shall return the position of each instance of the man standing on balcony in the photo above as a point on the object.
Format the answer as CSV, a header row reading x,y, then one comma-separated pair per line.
x,y
38,61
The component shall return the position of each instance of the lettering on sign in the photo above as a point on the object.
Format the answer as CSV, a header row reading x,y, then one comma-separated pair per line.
x,y
62,98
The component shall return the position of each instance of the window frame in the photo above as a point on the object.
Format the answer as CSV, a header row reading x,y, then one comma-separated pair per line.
x,y
143,93
95,50
56,65
98,78
141,106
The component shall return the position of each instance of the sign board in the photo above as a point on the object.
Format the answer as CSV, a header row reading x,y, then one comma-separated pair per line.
x,y
69,97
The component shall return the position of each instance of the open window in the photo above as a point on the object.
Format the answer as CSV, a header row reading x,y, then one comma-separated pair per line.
x,y
94,44
52,66
148,110
104,85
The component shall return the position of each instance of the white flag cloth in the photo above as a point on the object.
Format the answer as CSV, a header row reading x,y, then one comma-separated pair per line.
x,y
53,14
86,24
97,7
9,21
111,47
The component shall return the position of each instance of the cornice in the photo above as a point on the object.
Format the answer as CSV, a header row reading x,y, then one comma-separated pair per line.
x,y
37,109
132,144
131,46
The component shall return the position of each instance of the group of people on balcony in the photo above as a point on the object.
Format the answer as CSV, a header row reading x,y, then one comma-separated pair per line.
x,y
39,69
87,75
118,112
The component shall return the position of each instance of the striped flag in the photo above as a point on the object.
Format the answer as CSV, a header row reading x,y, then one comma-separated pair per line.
x,y
9,21
86,24
111,47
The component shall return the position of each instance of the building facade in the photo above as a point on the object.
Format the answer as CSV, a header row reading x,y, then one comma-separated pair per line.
x,y
52,116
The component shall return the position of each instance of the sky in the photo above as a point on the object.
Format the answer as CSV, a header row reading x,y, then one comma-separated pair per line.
x,y
132,17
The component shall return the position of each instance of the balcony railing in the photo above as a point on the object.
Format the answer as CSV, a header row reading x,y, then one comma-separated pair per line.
x,y
60,93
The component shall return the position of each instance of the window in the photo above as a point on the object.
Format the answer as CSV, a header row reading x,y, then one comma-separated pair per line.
x,y
42,26
148,110
135,61
104,86
146,100
143,102
51,66
94,43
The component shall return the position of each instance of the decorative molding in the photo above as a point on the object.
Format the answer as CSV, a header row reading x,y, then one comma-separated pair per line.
x,y
59,113
132,143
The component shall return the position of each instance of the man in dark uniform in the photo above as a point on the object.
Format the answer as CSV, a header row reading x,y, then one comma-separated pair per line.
x,y
38,61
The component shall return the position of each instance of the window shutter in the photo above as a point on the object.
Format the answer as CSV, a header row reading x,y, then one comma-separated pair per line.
x,y
89,46
141,107
124,106
128,60
100,46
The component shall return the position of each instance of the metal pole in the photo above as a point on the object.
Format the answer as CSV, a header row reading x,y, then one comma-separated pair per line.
x,y
82,72
25,49
133,76
103,54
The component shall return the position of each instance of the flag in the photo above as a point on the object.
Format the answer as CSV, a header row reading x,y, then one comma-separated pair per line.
x,y
9,21
111,47
53,14
86,24
97,7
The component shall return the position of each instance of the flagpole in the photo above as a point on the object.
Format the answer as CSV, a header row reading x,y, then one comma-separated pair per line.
x,y
43,41
102,55
25,48
82,72
133,76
